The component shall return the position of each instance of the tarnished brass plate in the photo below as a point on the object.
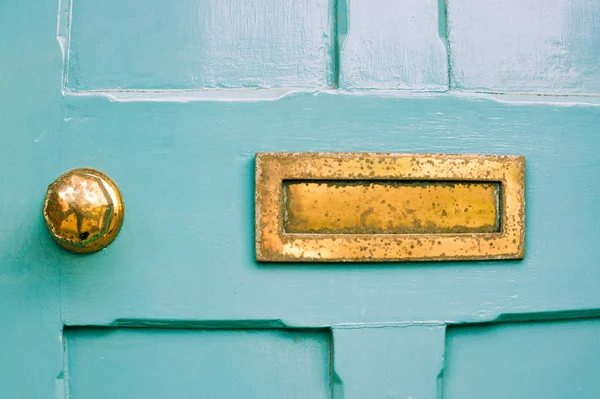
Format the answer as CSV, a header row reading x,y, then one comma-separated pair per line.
x,y
388,207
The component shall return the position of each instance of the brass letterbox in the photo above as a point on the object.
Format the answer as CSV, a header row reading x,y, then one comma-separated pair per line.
x,y
323,207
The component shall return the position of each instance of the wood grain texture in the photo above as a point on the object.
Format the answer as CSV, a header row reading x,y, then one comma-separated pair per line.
x,y
192,44
388,362
525,45
30,323
522,361
157,364
392,44
186,171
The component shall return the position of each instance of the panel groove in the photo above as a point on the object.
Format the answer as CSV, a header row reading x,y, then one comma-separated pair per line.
x,y
444,34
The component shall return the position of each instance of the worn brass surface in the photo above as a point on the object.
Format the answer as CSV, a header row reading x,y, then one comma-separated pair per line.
x,y
479,208
377,207
83,210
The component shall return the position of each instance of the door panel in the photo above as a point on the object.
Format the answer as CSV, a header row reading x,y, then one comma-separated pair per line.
x,y
391,44
525,45
388,361
523,361
155,363
186,250
193,44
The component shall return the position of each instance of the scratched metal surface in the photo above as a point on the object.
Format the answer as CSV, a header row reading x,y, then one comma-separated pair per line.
x,y
390,207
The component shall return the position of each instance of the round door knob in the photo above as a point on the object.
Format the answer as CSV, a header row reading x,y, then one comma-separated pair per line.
x,y
83,210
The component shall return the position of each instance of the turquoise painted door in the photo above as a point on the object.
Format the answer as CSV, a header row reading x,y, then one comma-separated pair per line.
x,y
173,100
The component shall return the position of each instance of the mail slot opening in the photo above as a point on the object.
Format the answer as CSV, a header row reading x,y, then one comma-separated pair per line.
x,y
391,207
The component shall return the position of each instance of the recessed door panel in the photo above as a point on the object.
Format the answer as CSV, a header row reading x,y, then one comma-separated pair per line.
x,y
523,361
178,363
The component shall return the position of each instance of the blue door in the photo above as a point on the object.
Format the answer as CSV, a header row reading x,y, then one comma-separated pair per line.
x,y
173,99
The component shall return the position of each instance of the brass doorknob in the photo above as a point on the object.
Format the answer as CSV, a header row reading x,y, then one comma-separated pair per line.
x,y
83,210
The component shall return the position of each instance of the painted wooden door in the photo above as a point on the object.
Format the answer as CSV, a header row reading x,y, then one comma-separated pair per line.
x,y
173,99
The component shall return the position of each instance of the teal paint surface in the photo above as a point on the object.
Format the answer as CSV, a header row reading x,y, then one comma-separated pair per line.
x,y
391,44
184,160
186,251
389,361
522,361
527,46
30,322
150,363
193,44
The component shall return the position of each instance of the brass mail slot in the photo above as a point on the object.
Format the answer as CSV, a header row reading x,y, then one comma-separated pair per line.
x,y
388,207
